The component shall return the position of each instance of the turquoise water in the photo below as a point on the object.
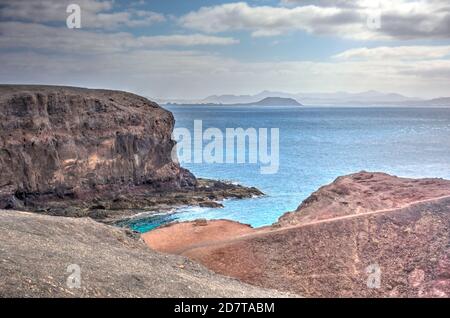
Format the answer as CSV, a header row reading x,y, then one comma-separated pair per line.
x,y
316,146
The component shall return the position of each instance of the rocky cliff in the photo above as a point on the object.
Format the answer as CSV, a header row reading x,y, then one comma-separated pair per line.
x,y
59,139
71,151
364,235
40,256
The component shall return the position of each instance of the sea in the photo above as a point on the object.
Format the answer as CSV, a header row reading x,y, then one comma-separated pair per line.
x,y
316,145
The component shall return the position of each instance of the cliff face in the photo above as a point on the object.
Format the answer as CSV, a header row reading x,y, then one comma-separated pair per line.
x,y
57,139
104,154
360,225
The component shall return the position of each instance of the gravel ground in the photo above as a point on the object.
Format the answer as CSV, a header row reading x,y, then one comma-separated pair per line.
x,y
39,253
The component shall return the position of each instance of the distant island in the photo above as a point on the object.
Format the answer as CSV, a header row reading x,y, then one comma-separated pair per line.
x,y
268,101
368,98
435,102
276,101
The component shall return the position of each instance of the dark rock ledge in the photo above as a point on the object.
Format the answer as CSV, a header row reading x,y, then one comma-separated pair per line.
x,y
112,204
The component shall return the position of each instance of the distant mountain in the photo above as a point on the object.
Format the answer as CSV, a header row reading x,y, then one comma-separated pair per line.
x,y
244,99
368,98
333,99
277,101
354,99
268,101
435,102
443,101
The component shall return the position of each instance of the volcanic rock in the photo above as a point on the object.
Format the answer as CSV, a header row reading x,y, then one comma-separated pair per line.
x,y
364,192
41,256
83,152
365,235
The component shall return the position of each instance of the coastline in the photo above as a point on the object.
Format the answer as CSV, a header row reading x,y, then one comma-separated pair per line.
x,y
114,159
39,252
404,229
119,205
104,154
404,224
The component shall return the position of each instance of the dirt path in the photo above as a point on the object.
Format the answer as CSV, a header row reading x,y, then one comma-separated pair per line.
x,y
270,230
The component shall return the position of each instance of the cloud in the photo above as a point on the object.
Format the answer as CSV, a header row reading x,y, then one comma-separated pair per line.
x,y
32,36
396,19
265,20
185,40
131,18
195,74
40,49
323,3
94,13
403,53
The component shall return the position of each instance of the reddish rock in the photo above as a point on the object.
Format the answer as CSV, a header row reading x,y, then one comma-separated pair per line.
x,y
175,238
399,249
361,193
39,254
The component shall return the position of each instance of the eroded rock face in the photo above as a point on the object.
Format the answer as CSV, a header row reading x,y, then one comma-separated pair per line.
x,y
58,139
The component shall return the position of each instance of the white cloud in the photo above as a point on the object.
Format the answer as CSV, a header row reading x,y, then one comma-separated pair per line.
x,y
94,13
265,20
323,3
31,36
185,40
399,19
402,53
192,74
36,51
131,18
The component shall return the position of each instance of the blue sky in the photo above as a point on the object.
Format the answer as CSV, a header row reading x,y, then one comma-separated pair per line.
x,y
192,49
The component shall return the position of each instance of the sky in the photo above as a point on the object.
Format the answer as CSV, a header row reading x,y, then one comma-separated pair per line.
x,y
190,49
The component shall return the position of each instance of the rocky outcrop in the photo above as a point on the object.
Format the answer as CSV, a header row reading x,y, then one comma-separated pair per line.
x,y
361,193
60,139
395,245
77,152
40,254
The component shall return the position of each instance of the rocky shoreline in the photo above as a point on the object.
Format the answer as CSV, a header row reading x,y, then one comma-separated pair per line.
x,y
358,226
119,205
98,155
68,151
401,232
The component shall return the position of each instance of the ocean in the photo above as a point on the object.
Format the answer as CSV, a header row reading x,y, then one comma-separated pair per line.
x,y
316,146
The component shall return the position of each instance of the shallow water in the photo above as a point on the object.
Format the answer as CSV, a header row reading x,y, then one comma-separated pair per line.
x,y
316,146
